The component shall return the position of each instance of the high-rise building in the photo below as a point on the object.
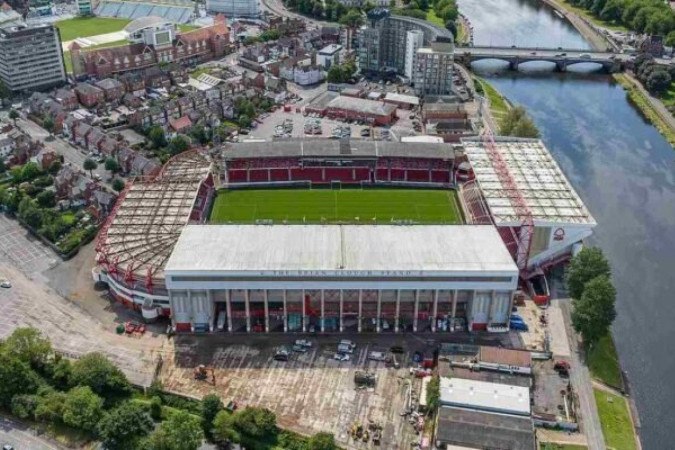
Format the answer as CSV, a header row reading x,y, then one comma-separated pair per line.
x,y
31,57
414,40
434,67
235,8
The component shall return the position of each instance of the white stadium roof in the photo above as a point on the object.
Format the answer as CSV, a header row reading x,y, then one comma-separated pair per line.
x,y
353,249
485,396
549,195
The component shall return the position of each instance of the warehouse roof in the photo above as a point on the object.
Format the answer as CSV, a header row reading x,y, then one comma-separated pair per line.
x,y
485,396
402,98
358,250
548,194
362,106
472,429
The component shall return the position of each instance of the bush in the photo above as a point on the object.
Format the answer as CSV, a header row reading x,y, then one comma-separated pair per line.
x,y
103,377
23,406
156,408
82,409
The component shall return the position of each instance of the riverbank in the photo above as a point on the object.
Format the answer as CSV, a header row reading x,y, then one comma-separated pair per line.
x,y
596,39
651,108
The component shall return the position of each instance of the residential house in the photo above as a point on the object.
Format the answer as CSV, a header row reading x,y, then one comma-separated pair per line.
x,y
112,89
80,132
181,125
90,96
102,203
46,157
67,99
171,109
92,140
131,101
134,83
109,145
185,105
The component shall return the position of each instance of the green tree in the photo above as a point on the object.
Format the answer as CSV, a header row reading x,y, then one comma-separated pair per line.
x,y
49,407
211,406
179,144
255,422
594,312
14,115
55,167
46,199
157,137
82,408
111,165
322,441
589,263
223,430
5,93
670,39
244,121
352,19
30,171
23,406
199,134
433,394
181,431
97,372
30,346
3,167
156,407
451,26
48,124
16,377
517,123
32,216
658,81
122,428
90,165
118,184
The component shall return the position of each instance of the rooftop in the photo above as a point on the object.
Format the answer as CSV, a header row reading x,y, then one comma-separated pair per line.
x,y
437,249
330,49
361,105
485,396
145,22
402,98
549,196
472,429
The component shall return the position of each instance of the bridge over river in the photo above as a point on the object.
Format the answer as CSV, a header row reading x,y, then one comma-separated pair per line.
x,y
561,57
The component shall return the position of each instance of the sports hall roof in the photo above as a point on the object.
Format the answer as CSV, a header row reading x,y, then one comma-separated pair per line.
x,y
342,249
548,194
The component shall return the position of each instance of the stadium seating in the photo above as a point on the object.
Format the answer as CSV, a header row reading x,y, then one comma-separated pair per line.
x,y
177,11
279,175
258,175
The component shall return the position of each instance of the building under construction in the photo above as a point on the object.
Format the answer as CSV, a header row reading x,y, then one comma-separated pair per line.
x,y
522,216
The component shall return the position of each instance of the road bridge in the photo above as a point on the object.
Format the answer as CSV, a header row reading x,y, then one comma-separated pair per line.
x,y
561,57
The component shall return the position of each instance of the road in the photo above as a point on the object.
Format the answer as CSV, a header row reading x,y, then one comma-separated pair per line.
x,y
71,154
21,437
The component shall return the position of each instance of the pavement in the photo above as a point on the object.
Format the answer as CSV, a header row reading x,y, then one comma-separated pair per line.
x,y
21,437
19,248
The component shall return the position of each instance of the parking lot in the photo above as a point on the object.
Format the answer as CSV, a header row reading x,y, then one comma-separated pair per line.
x,y
21,250
311,391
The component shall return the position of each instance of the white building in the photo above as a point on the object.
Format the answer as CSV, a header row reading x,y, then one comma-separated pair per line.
x,y
485,396
235,8
413,41
152,30
307,75
329,55
340,278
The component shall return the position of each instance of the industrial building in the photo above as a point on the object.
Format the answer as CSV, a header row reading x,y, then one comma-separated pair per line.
x,y
333,105
31,57
235,8
158,257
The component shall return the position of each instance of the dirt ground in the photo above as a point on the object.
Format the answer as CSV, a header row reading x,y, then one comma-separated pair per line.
x,y
309,393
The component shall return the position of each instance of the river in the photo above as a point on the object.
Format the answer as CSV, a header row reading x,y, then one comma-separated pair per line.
x,y
625,172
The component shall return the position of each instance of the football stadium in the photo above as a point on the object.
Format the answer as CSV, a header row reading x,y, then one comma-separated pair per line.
x,y
328,236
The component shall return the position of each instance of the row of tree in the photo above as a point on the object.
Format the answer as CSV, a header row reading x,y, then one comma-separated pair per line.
x,y
341,73
593,295
518,123
644,16
655,78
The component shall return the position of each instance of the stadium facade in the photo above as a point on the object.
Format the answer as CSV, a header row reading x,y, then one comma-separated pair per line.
x,y
158,256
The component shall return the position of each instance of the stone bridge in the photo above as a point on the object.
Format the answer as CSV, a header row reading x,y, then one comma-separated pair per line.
x,y
561,57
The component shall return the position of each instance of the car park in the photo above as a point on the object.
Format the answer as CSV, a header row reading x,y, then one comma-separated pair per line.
x,y
377,356
299,349
342,348
281,354
341,357
303,343
348,342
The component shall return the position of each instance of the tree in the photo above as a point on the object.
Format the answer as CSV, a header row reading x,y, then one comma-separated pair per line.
x,y
16,377
244,121
123,427
322,441
451,26
518,123
658,81
353,18
82,408
118,184
5,93
223,430
23,406
90,165
111,165
594,312
48,124
589,263
199,134
181,431
30,346
670,39
49,407
32,216
46,199
14,115
55,167
156,407
178,145
97,372
156,136
30,171
3,167
211,406
255,422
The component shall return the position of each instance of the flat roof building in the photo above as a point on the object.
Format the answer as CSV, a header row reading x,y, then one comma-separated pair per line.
x,y
485,396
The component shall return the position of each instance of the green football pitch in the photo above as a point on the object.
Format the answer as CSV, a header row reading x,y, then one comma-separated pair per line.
x,y
336,205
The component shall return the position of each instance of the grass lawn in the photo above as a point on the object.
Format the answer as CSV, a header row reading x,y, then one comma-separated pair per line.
x,y
603,362
498,104
433,18
551,446
68,218
183,27
615,419
88,26
338,205
588,15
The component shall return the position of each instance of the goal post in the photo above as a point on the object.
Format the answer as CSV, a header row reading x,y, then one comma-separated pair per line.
x,y
336,185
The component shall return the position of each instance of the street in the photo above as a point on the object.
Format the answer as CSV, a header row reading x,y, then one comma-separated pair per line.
x,y
21,437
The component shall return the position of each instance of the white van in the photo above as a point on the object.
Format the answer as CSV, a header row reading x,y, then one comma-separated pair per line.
x,y
221,321
348,343
343,348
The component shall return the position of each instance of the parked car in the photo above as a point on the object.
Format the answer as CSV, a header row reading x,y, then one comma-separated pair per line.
x,y
518,326
348,342
5,284
516,317
396,349
342,348
377,356
299,348
281,354
341,357
303,343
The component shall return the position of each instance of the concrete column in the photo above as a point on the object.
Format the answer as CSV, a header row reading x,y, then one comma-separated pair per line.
x,y
285,313
360,306
212,306
493,301
247,304
172,305
398,309
341,304
267,312
434,312
189,305
228,306
454,310
379,310
323,317
304,313
417,309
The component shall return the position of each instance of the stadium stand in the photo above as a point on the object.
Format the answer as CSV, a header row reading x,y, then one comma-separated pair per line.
x,y
177,11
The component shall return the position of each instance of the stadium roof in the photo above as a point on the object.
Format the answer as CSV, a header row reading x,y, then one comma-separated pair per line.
x,y
461,428
358,250
326,148
485,396
145,22
549,196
